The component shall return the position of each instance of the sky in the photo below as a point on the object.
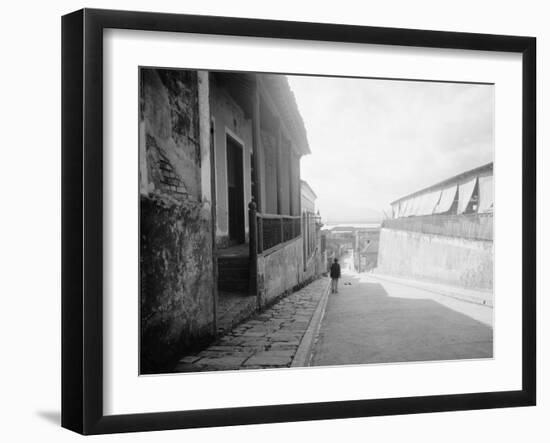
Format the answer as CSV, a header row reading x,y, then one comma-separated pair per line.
x,y
374,141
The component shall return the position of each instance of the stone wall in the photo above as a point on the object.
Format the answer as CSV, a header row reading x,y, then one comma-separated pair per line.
x,y
176,268
285,186
450,260
169,125
176,280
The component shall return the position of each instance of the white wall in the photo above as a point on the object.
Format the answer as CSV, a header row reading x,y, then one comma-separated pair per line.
x,y
451,260
229,120
30,222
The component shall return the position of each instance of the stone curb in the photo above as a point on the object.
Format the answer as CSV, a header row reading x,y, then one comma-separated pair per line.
x,y
462,297
303,353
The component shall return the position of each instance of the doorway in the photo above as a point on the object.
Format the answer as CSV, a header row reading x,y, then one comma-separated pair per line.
x,y
235,191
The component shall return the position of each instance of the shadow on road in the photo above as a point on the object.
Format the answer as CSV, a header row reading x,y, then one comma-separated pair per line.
x,y
364,324
52,417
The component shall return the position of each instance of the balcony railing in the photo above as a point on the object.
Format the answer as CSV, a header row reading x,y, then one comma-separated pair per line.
x,y
267,231
274,229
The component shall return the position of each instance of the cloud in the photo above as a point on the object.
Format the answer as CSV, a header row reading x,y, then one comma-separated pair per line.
x,y
373,141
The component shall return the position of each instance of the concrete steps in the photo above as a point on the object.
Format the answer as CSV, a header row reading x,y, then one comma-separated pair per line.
x,y
233,274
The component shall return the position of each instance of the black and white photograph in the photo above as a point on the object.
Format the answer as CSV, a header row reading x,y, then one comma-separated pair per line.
x,y
275,222
291,221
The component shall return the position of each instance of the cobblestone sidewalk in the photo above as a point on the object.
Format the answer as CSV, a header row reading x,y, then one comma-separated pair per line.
x,y
268,340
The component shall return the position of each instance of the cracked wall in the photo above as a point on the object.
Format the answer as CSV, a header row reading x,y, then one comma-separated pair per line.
x,y
176,267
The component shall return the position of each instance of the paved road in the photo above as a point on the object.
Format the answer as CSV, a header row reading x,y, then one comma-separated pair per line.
x,y
268,340
375,321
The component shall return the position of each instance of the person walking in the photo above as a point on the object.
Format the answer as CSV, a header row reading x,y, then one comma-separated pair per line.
x,y
334,275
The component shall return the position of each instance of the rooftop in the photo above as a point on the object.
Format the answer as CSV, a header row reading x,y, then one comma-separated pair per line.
x,y
488,168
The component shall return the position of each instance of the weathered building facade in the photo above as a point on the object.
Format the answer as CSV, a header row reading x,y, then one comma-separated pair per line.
x,y
220,199
443,233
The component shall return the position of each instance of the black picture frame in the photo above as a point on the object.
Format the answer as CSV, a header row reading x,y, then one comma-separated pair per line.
x,y
82,215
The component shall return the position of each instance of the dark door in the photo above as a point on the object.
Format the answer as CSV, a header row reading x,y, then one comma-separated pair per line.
x,y
235,191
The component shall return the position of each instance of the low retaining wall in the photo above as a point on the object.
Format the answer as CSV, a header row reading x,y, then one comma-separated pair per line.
x,y
176,302
281,270
465,226
456,261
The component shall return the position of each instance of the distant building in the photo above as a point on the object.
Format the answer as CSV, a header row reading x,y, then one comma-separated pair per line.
x,y
366,257
360,238
443,232
308,197
314,245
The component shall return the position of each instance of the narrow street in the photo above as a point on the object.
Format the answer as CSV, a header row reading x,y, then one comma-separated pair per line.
x,y
372,320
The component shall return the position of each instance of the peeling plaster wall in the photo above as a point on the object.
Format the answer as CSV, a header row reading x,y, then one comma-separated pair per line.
x,y
455,261
176,268
229,118
170,124
176,280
